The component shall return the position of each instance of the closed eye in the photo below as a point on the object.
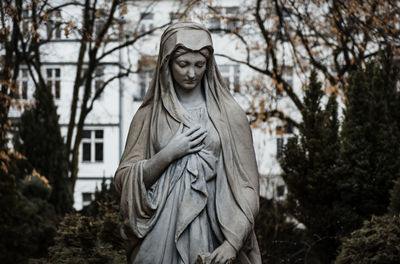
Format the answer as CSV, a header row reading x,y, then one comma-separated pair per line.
x,y
200,64
182,63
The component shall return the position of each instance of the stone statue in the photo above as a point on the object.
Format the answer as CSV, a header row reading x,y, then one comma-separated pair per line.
x,y
188,178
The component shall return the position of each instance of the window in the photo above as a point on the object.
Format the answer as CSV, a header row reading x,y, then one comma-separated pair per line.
x,y
23,83
54,25
147,16
98,79
232,11
87,198
25,13
147,64
279,130
287,129
279,147
232,23
98,26
144,82
92,145
287,76
230,74
113,30
21,86
232,19
147,22
229,17
215,23
280,190
53,81
26,23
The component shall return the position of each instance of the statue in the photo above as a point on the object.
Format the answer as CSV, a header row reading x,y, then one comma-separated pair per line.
x,y
188,178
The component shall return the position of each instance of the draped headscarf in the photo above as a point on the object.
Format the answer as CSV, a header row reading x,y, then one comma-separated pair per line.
x,y
158,119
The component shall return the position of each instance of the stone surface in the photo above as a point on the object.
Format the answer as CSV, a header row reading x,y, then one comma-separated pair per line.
x,y
188,178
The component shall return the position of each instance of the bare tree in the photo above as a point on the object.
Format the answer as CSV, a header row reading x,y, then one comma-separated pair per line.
x,y
332,37
93,45
99,32
10,13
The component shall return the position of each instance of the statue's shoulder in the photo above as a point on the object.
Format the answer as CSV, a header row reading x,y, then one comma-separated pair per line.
x,y
143,114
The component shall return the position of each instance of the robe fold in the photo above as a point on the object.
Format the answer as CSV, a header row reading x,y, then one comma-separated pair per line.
x,y
201,199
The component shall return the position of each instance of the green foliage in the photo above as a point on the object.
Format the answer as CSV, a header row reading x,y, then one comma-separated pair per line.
x,y
27,225
279,239
309,169
106,194
335,182
36,186
88,239
12,236
376,242
39,139
370,143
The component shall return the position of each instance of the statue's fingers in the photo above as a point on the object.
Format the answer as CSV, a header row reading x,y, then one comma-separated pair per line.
x,y
196,149
219,259
198,140
197,134
212,258
191,130
229,261
215,259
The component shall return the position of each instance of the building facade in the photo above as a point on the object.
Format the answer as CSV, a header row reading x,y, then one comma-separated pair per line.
x,y
107,125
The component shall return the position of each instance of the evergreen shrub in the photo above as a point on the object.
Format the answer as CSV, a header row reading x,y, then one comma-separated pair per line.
x,y
378,241
309,171
27,224
279,239
88,240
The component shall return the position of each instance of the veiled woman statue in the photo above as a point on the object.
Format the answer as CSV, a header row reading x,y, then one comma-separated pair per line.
x,y
188,178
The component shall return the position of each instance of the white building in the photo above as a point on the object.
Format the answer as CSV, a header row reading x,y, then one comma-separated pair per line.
x,y
107,125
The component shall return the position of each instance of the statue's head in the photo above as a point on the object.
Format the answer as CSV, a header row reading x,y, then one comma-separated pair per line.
x,y
186,47
184,37
185,59
188,67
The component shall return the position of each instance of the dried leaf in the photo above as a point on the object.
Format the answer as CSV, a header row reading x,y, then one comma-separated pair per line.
x,y
124,10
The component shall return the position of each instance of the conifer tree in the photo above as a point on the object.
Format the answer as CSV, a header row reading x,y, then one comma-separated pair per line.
x,y
39,139
27,220
10,204
378,239
309,169
370,143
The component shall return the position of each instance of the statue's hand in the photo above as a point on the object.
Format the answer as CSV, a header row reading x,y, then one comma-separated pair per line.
x,y
183,143
224,254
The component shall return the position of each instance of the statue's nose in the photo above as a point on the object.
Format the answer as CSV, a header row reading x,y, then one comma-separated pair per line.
x,y
190,73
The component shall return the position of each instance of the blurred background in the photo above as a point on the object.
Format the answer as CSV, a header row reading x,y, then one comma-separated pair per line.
x,y
318,79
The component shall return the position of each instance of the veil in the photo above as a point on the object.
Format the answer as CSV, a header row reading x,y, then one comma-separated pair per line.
x,y
158,119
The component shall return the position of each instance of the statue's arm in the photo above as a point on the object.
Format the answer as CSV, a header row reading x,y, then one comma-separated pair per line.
x,y
181,144
155,166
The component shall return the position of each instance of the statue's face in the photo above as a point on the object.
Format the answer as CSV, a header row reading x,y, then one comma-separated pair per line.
x,y
188,69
